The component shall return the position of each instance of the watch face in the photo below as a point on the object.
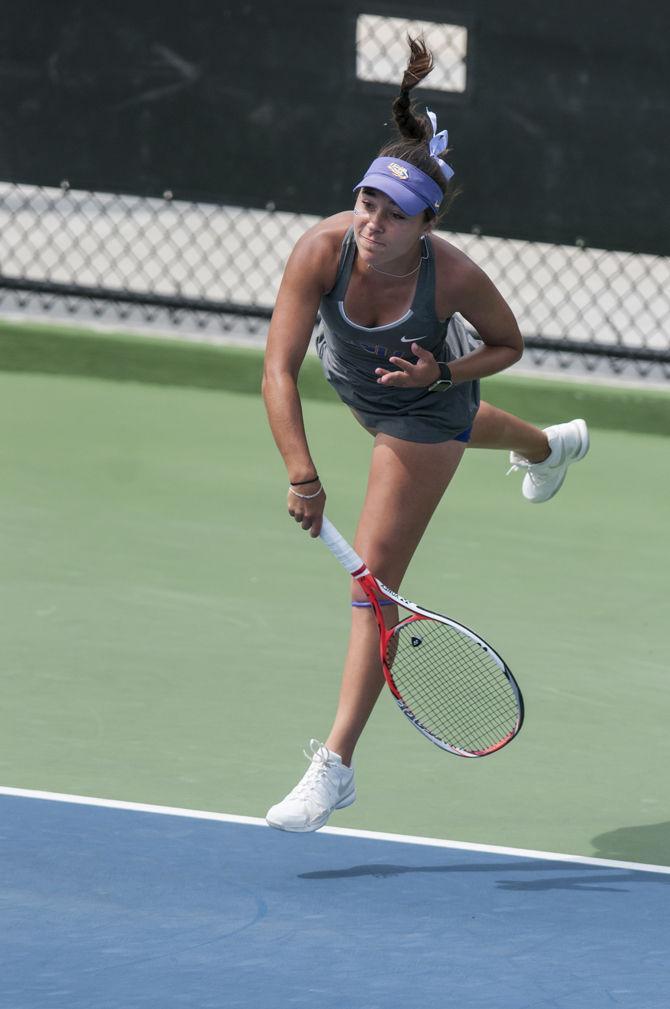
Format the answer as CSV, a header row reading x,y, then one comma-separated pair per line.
x,y
441,385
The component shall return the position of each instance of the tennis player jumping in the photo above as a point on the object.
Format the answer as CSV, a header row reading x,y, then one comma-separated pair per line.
x,y
393,348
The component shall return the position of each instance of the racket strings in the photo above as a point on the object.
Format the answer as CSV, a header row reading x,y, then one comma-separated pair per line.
x,y
452,686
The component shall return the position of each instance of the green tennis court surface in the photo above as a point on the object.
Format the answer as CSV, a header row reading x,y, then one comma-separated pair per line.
x,y
169,635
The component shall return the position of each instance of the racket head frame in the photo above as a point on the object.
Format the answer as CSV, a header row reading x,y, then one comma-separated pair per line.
x,y
373,588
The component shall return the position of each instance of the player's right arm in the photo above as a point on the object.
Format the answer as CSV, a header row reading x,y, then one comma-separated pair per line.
x,y
310,272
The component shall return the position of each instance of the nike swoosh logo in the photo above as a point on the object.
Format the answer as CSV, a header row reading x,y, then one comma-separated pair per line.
x,y
411,339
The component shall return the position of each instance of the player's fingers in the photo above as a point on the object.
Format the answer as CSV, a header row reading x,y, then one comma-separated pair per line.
x,y
405,366
317,515
295,509
395,377
309,513
310,521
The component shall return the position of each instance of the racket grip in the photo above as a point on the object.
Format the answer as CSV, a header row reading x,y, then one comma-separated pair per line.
x,y
339,547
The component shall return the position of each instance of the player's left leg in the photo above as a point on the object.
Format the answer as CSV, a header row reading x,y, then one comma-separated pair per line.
x,y
544,454
497,429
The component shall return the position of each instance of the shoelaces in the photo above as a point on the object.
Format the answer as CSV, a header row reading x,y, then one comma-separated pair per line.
x,y
536,470
517,466
317,770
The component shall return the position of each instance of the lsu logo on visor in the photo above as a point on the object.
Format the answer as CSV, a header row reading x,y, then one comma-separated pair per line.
x,y
398,170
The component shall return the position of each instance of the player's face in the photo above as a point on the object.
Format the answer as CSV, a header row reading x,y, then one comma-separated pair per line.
x,y
383,232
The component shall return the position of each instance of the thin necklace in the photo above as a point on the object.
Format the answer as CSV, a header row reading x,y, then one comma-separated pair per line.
x,y
398,276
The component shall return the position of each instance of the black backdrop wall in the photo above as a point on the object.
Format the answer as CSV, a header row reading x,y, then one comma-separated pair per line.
x,y
561,132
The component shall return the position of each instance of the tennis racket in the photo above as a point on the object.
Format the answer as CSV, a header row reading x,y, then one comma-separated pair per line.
x,y
450,683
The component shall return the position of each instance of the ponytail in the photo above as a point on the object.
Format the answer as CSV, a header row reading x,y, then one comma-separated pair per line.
x,y
416,131
419,66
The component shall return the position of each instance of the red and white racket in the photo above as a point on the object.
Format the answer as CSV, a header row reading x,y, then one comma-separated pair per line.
x,y
450,683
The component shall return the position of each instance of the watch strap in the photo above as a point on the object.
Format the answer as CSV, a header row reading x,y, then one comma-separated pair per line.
x,y
445,381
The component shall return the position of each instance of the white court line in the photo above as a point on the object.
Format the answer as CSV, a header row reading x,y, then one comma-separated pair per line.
x,y
372,835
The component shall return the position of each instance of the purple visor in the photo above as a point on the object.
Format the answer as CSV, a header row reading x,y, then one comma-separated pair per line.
x,y
407,185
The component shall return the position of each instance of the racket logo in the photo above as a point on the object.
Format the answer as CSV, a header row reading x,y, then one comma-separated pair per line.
x,y
416,642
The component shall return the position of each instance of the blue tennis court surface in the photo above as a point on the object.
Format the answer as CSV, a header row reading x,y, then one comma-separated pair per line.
x,y
117,908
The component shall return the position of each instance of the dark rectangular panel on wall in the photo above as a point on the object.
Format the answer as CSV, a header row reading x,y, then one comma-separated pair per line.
x,y
211,99
561,132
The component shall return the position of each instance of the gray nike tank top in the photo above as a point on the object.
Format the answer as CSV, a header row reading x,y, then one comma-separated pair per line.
x,y
350,353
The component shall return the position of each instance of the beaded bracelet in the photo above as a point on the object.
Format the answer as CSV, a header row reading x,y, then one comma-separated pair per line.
x,y
305,497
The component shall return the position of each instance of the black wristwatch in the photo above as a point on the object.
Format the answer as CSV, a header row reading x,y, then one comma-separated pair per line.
x,y
445,380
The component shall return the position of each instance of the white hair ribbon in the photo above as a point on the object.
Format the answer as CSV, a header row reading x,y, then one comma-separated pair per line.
x,y
438,144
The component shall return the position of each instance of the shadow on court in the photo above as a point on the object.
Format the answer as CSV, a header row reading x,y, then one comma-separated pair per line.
x,y
578,879
649,843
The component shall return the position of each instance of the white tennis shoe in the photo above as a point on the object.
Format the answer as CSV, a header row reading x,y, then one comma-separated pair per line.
x,y
568,443
328,784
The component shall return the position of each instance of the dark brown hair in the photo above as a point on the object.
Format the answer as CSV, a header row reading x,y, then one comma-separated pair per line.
x,y
415,130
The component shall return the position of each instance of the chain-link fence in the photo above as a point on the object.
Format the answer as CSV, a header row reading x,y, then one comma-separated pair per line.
x,y
219,267
214,270
381,51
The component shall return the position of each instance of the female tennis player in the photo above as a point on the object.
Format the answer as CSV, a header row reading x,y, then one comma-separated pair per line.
x,y
392,346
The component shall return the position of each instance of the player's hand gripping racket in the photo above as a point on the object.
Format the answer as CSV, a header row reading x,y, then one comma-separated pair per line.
x,y
447,680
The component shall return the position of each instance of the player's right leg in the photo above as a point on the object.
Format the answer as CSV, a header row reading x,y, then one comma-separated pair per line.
x,y
406,482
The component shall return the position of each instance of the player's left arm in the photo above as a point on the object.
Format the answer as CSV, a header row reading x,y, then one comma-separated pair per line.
x,y
475,296
482,305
